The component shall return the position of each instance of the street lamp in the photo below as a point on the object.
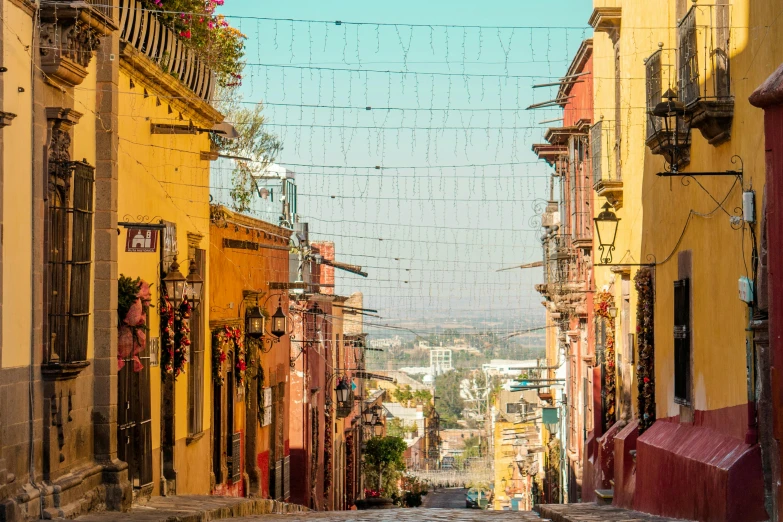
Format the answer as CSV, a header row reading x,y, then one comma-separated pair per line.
x,y
343,392
279,323
612,312
667,120
606,227
175,283
367,416
254,323
195,284
378,428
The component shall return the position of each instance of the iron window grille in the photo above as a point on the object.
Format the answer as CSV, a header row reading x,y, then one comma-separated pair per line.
x,y
660,76
704,70
70,232
703,42
196,373
596,150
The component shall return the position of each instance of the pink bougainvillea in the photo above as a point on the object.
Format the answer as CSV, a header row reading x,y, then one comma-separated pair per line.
x,y
217,44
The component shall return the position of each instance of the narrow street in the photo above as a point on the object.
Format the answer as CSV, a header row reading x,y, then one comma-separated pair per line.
x,y
446,498
405,515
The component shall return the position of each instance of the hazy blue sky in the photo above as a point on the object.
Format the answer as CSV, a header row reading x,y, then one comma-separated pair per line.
x,y
456,192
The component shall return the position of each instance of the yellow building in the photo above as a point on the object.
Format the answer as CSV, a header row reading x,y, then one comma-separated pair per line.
x,y
681,331
163,157
516,462
103,132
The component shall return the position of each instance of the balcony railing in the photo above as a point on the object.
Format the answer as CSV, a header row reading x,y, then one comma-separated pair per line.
x,y
661,75
603,158
144,31
704,70
102,6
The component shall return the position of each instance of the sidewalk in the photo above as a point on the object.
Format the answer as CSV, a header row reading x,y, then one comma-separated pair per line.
x,y
594,513
195,509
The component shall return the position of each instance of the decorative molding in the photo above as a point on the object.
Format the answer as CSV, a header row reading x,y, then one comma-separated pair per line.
x,y
6,118
606,19
194,239
25,5
144,71
713,118
67,39
612,190
63,371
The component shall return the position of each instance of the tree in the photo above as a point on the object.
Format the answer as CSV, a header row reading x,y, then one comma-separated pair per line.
x,y
255,147
395,428
385,454
449,402
403,395
422,396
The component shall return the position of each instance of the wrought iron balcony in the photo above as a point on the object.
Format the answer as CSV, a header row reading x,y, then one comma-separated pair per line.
x,y
142,30
661,75
704,72
606,181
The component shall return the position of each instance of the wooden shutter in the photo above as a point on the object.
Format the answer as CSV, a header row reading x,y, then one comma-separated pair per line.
x,y
682,351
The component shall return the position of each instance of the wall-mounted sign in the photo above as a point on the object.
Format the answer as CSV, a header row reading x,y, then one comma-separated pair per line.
x,y
141,240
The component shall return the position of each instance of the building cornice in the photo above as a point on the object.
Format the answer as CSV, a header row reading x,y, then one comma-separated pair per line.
x,y
180,98
577,66
25,5
606,19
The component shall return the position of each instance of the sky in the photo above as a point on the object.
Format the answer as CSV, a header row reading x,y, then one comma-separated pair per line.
x,y
434,187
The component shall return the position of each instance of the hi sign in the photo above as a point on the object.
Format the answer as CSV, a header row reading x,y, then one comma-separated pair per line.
x,y
141,240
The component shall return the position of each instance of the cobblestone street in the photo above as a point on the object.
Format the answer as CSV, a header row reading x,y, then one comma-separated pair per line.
x,y
405,515
203,509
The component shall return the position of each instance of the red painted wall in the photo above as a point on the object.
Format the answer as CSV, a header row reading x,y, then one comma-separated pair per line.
x,y
696,473
773,128
580,107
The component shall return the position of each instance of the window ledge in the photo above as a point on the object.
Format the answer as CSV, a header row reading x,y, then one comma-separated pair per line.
x,y
62,371
193,438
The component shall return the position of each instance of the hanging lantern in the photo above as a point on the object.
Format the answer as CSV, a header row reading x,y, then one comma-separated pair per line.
x,y
606,227
254,323
378,428
668,120
174,283
279,323
195,285
343,392
367,416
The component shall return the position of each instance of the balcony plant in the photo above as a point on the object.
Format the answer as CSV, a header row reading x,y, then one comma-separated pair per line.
x,y
207,33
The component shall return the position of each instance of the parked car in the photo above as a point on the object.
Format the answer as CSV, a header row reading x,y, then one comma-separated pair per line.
x,y
477,498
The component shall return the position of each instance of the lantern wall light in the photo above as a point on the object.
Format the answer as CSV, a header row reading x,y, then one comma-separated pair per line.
x,y
606,224
175,283
255,322
671,121
195,285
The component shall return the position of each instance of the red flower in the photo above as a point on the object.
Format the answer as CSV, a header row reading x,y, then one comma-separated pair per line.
x,y
646,380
